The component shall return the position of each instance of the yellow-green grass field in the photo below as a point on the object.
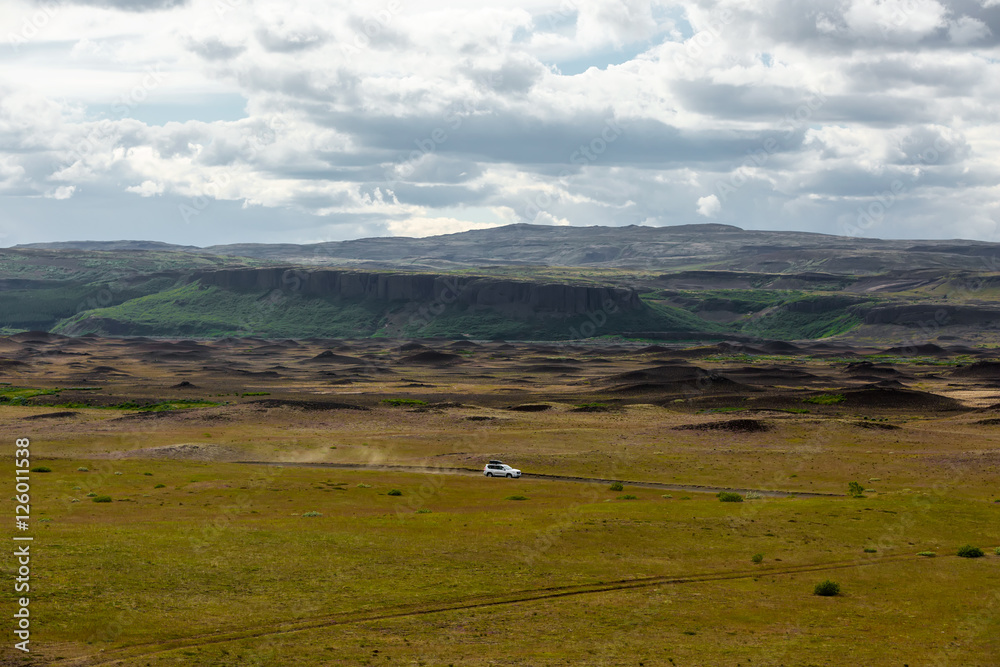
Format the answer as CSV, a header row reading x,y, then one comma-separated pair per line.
x,y
219,566
207,560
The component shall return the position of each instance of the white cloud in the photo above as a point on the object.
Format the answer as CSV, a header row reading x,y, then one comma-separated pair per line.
x,y
546,218
966,30
709,206
61,192
904,19
10,171
420,227
146,189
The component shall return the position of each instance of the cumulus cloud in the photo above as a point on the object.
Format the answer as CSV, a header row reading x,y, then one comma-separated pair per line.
x,y
420,227
368,119
146,189
966,30
709,206
61,192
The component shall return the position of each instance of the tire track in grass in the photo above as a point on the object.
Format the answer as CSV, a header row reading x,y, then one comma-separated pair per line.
x,y
137,651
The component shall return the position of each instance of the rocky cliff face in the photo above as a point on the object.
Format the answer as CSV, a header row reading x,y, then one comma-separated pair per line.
x,y
507,296
934,316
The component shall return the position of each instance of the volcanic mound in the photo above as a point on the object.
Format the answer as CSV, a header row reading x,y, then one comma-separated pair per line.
x,y
433,358
731,425
530,407
987,370
51,415
673,378
881,396
332,358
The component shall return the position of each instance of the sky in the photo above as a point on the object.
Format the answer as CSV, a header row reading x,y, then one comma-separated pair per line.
x,y
296,121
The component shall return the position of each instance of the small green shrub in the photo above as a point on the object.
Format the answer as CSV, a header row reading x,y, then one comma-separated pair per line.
x,y
997,551
869,550
855,490
423,511
825,399
667,496
159,486
91,494
627,497
617,486
403,401
757,559
148,474
969,551
395,492
517,498
311,514
364,486
41,469
592,407
729,497
83,469
102,499
827,588
927,554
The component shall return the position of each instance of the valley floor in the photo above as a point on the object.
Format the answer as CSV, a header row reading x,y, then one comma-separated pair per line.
x,y
227,541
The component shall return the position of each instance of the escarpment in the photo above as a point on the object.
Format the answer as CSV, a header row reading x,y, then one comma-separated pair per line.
x,y
506,296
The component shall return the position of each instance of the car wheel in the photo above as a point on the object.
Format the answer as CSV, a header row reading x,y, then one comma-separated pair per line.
x,y
509,475
489,474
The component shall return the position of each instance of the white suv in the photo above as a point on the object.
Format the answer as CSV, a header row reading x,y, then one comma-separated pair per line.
x,y
500,469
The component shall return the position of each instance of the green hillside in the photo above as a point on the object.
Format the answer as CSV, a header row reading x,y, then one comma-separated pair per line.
x,y
193,310
176,292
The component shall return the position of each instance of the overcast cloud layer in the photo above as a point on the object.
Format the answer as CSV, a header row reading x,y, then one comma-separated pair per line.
x,y
219,121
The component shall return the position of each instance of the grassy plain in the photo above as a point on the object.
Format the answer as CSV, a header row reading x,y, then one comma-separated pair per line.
x,y
203,560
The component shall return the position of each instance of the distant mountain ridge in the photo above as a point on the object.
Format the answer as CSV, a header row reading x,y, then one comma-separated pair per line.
x,y
632,247
692,282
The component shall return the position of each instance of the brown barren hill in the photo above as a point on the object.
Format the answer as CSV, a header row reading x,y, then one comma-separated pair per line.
x,y
433,358
673,379
985,370
730,425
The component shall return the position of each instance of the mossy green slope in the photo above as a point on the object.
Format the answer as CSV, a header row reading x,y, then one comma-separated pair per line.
x,y
195,310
